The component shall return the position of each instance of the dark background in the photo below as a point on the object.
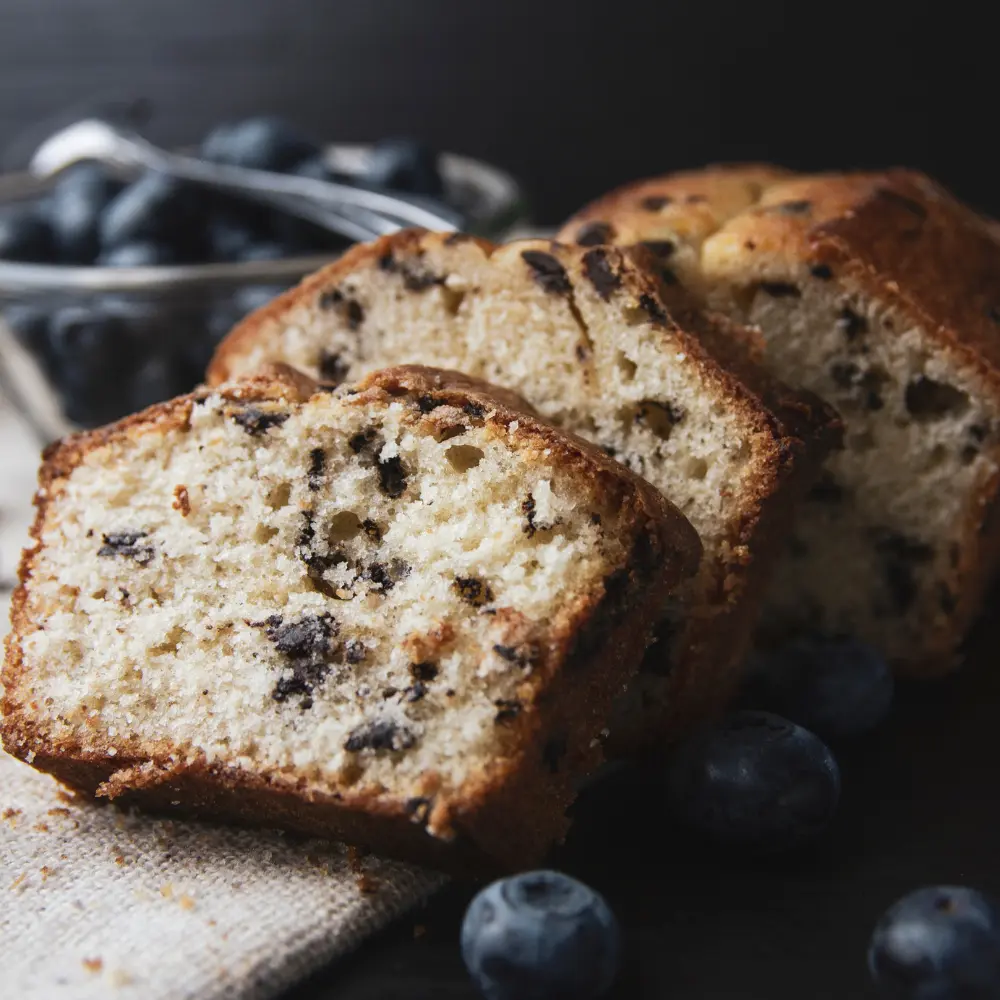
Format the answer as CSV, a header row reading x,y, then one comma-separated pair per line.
x,y
574,97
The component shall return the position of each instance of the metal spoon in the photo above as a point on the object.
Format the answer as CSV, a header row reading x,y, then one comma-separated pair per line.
x,y
356,213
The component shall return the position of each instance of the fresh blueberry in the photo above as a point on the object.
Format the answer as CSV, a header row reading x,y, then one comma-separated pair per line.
x,y
25,235
74,209
93,356
264,251
316,168
156,209
838,687
938,943
147,254
404,165
259,144
540,936
159,377
250,298
229,237
754,781
30,325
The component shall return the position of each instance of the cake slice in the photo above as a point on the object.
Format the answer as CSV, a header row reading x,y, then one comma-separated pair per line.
x,y
594,341
880,292
395,614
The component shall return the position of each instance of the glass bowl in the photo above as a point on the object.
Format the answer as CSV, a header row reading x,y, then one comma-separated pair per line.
x,y
118,339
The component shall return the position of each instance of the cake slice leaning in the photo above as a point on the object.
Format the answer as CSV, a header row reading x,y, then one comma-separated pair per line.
x,y
880,292
598,345
395,614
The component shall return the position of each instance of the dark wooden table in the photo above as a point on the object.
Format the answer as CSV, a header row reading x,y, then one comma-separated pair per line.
x,y
920,806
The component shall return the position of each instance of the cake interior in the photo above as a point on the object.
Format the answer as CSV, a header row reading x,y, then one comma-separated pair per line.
x,y
358,594
878,545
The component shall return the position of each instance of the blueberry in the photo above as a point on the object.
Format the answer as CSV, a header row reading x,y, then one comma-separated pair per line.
x,y
404,165
259,144
839,688
93,354
264,251
250,298
25,235
158,378
30,325
148,254
937,944
74,209
540,936
156,209
754,781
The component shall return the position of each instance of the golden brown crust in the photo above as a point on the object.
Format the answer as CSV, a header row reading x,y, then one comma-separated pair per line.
x,y
685,207
504,816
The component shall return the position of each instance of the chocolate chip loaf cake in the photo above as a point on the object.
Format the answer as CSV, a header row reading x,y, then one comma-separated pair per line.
x,y
880,292
395,614
593,341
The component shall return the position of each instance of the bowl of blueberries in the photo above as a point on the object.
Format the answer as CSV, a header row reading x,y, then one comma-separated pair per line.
x,y
117,284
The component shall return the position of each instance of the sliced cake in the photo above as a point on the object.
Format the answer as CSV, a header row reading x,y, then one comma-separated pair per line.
x,y
880,292
395,614
597,344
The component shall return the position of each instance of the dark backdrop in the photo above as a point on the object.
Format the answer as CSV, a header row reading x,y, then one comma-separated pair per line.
x,y
572,96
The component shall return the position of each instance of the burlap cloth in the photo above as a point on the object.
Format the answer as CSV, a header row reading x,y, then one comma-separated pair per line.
x,y
100,903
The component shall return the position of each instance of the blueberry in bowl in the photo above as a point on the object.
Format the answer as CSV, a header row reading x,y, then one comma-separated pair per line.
x,y
541,935
125,248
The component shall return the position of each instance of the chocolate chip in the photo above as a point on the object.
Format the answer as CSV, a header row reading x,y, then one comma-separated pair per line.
x,y
317,468
362,440
379,735
392,476
781,289
415,692
351,309
425,670
528,510
371,530
385,576
389,692
507,709
659,248
968,454
928,399
428,403
901,556
851,324
420,280
256,421
864,385
667,276
309,646
595,518
600,273
659,416
418,809
793,207
821,271
332,368
553,752
826,490
977,432
653,309
354,651
548,272
127,543
594,234
844,373
473,590
508,653
654,202
475,410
